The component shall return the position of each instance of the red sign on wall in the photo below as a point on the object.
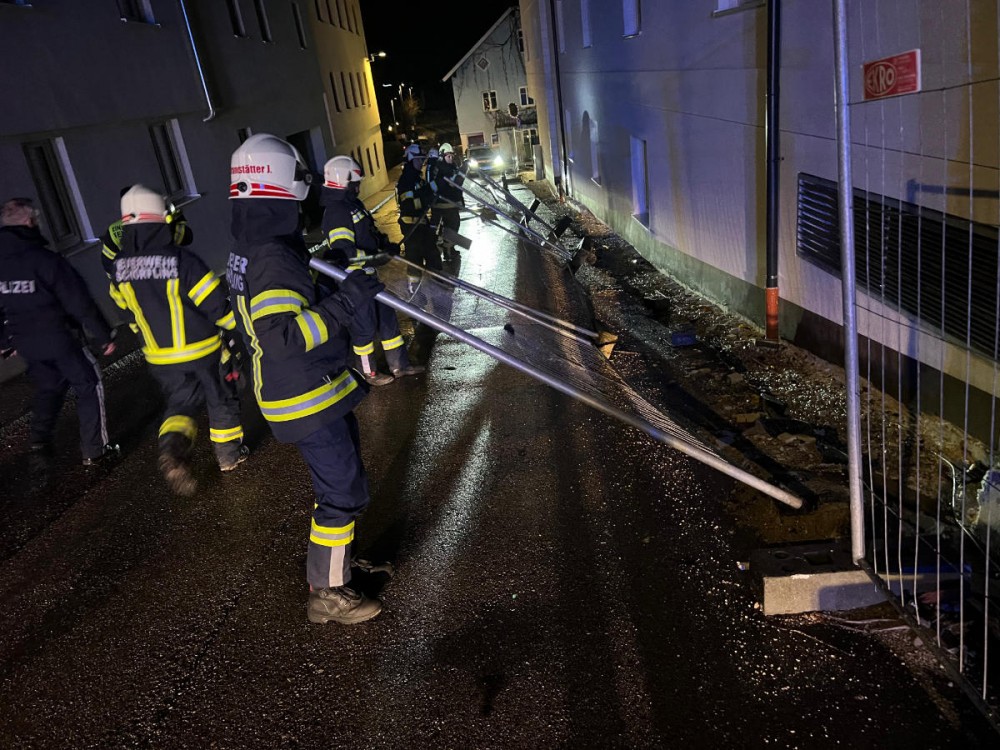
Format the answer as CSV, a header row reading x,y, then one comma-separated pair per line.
x,y
892,76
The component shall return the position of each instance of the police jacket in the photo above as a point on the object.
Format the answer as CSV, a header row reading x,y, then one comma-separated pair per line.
x,y
446,193
44,301
295,332
111,240
413,195
176,302
349,228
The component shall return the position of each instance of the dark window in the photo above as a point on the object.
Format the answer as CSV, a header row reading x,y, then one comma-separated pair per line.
x,y
57,208
265,26
168,157
354,90
236,18
912,258
364,88
320,10
333,90
361,89
489,101
341,14
331,9
354,13
368,153
375,149
347,15
299,29
343,87
134,10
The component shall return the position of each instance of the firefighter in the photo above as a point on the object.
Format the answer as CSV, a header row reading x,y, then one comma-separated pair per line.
x,y
111,240
48,311
298,337
178,305
351,233
414,197
447,198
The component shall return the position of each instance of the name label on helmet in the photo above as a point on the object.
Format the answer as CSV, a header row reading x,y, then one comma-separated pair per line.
x,y
145,268
236,269
251,169
26,286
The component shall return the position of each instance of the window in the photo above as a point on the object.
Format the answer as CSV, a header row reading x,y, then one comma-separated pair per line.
x,y
526,101
321,11
174,169
377,164
333,90
569,135
138,11
731,6
343,87
243,134
630,12
585,22
236,18
340,13
595,170
354,89
347,15
494,139
298,26
62,211
364,89
361,90
520,40
640,185
489,101
482,63
560,26
357,26
368,153
265,27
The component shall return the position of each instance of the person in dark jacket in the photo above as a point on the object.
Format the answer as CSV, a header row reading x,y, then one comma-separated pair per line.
x,y
178,305
351,233
48,312
447,197
298,338
414,197
111,240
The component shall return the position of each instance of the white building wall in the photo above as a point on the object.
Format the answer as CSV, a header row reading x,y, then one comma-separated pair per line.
x,y
692,86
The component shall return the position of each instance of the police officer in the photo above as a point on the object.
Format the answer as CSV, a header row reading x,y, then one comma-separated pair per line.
x,y
447,197
47,307
178,305
414,197
299,342
351,233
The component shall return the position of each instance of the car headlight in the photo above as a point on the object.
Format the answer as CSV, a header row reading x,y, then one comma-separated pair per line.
x,y
498,162
473,163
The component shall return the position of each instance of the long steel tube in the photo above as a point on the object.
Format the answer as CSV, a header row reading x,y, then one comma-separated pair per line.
x,y
512,200
849,279
687,449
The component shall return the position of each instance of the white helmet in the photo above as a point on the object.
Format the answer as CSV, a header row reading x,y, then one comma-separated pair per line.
x,y
267,167
340,171
413,151
446,148
140,205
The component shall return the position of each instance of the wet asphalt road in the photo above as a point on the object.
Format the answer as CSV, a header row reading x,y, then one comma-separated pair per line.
x,y
561,580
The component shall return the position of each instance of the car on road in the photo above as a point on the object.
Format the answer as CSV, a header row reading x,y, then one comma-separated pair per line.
x,y
486,160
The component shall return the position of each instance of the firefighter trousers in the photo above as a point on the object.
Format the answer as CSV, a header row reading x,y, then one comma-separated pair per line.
x,y
421,248
186,388
333,455
76,369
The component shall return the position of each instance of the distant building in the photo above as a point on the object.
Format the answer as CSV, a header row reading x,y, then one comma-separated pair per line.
x,y
491,91
100,95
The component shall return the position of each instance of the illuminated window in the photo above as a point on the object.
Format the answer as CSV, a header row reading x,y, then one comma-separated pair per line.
x,y
178,180
631,14
265,26
585,22
526,101
62,209
236,18
299,29
489,101
138,11
640,185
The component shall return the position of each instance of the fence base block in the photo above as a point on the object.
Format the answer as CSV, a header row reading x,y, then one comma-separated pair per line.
x,y
814,577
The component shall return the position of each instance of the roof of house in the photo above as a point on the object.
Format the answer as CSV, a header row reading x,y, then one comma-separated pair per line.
x,y
476,46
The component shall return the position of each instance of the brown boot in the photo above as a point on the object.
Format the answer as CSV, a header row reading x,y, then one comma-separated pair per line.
x,y
341,604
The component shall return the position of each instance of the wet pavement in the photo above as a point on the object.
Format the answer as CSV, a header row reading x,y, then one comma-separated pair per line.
x,y
561,580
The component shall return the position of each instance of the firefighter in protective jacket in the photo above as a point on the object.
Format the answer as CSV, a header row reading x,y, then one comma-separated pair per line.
x,y
298,341
414,197
178,305
351,233
447,198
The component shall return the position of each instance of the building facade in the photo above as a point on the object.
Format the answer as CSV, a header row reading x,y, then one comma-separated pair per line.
x,y
652,115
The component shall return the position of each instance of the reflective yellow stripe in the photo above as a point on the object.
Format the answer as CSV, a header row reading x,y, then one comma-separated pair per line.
x,y
177,354
309,403
362,351
117,297
133,304
417,203
108,253
176,312
313,328
227,321
205,286
393,343
340,233
331,536
179,423
276,301
256,352
226,435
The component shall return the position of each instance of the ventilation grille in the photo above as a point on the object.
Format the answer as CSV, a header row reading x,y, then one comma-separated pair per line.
x,y
937,267
482,63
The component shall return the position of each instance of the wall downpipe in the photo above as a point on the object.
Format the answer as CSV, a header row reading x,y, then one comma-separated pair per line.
x,y
772,137
197,62
564,170
846,212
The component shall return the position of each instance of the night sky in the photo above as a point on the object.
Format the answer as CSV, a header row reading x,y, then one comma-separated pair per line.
x,y
425,41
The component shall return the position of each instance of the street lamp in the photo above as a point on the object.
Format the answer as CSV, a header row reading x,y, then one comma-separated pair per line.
x,y
372,57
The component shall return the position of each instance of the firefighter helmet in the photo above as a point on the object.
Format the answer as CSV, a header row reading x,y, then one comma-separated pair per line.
x,y
432,154
267,167
413,151
340,171
140,205
446,148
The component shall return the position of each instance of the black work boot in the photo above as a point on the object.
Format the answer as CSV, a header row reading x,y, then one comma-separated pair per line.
x,y
229,459
108,455
341,604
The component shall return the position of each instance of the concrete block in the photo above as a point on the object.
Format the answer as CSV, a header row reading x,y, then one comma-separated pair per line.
x,y
813,577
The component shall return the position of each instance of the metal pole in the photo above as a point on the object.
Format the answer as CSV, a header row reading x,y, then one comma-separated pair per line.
x,y
512,200
846,205
772,136
687,449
